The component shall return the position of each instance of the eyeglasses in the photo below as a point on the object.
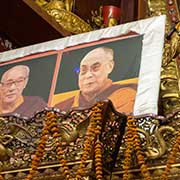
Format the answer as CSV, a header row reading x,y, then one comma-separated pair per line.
x,y
93,68
17,82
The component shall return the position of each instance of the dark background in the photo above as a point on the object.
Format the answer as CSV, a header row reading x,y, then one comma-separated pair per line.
x,y
40,77
127,57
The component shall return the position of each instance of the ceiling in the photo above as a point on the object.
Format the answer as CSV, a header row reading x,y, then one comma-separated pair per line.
x,y
23,26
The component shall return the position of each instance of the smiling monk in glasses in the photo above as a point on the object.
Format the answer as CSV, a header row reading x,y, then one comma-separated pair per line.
x,y
95,85
12,101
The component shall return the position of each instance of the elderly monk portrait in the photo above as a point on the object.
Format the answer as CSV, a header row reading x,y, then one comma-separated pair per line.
x,y
12,101
95,85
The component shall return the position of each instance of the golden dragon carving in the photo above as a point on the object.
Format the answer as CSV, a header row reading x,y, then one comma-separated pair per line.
x,y
152,151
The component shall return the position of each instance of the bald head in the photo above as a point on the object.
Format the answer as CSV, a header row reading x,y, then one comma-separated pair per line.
x,y
101,53
19,69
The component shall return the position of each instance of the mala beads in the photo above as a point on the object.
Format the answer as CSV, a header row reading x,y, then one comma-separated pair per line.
x,y
140,156
132,140
50,127
129,148
171,158
93,131
98,145
40,149
60,153
98,160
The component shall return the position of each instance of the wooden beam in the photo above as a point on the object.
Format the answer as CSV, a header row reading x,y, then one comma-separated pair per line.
x,y
142,9
128,10
47,17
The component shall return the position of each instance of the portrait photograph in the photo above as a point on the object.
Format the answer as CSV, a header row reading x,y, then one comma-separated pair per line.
x,y
25,85
99,71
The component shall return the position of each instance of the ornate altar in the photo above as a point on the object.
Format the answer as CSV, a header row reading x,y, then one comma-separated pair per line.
x,y
62,137
99,142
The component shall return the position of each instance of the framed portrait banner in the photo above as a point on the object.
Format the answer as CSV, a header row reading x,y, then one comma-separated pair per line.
x,y
135,50
26,84
98,71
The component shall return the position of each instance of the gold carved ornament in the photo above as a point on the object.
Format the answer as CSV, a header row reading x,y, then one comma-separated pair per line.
x,y
132,142
170,95
61,11
169,89
97,20
172,158
50,127
91,139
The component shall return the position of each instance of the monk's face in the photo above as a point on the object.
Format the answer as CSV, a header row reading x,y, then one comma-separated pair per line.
x,y
94,71
12,85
